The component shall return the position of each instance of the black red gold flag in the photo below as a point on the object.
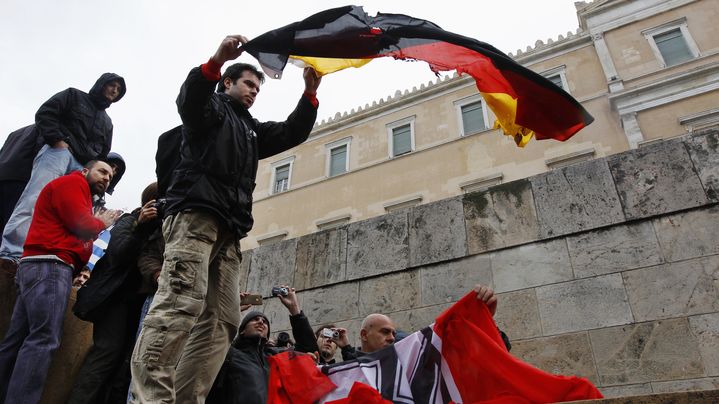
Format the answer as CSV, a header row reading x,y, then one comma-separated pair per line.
x,y
525,103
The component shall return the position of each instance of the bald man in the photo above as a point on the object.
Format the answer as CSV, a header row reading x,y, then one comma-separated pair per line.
x,y
378,331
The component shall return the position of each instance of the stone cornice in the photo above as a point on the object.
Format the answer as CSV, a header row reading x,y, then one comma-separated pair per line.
x,y
677,86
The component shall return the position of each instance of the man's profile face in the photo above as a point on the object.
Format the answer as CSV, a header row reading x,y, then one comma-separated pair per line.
x,y
327,346
257,327
244,89
111,90
98,177
379,333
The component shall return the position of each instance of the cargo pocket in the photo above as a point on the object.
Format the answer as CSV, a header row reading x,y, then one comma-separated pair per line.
x,y
182,273
162,341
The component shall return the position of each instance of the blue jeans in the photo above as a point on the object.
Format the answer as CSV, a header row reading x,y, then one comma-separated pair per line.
x,y
35,329
49,164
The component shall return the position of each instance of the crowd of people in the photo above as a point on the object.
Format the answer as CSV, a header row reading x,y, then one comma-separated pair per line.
x,y
161,283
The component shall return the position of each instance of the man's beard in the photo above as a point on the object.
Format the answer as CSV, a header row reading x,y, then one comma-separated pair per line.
x,y
327,355
95,188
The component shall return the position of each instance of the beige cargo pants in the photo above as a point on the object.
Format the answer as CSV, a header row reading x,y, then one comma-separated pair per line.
x,y
194,315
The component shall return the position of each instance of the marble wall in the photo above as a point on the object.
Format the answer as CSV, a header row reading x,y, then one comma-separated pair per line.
x,y
607,269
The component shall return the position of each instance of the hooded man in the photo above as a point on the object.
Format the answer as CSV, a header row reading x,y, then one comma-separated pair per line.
x,y
75,130
117,163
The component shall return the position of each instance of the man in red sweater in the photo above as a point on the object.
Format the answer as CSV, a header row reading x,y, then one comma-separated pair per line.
x,y
60,240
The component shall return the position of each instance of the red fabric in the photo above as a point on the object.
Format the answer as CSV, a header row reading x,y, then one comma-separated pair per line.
x,y
63,224
294,378
312,98
211,70
361,393
496,376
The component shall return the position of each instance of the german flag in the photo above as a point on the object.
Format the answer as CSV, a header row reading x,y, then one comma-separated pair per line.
x,y
525,103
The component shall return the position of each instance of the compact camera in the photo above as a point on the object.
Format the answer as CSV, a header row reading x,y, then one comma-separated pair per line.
x,y
280,291
160,206
330,333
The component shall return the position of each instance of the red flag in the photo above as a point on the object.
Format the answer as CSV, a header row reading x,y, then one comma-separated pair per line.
x,y
361,393
483,371
294,378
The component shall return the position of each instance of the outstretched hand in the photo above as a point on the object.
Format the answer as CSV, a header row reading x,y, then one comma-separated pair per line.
x,y
230,49
290,301
312,80
486,294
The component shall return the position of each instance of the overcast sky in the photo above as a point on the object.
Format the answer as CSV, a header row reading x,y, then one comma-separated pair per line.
x,y
49,45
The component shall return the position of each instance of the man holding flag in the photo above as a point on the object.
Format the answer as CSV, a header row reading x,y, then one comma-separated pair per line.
x,y
196,310
460,358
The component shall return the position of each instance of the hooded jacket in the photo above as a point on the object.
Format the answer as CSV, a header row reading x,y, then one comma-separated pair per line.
x,y
221,145
244,375
80,119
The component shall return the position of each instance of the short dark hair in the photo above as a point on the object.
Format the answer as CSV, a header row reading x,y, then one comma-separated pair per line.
x,y
149,193
235,71
322,327
90,164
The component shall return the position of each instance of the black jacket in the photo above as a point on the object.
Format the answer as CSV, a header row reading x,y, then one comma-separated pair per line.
x,y
18,153
221,144
115,274
167,158
79,119
244,374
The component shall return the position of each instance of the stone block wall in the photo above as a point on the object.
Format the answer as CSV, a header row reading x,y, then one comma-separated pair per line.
x,y
607,269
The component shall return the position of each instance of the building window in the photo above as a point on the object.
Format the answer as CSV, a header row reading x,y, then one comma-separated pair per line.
x,y
557,81
338,157
557,76
472,115
282,179
281,175
401,137
673,47
672,43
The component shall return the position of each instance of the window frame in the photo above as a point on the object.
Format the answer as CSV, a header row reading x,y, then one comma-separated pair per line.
x,y
328,155
560,71
458,104
680,23
278,164
390,135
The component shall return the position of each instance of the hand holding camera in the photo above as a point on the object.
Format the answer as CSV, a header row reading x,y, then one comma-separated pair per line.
x,y
330,333
288,298
149,212
337,335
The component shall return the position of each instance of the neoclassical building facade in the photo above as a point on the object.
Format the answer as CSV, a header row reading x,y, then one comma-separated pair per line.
x,y
645,69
